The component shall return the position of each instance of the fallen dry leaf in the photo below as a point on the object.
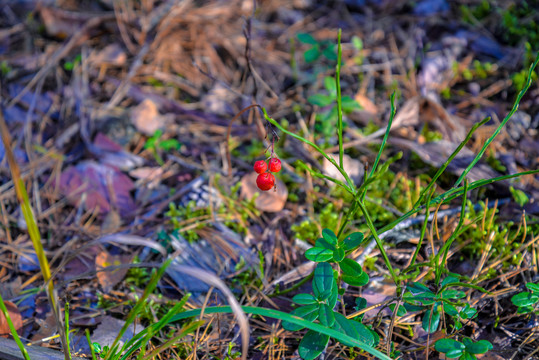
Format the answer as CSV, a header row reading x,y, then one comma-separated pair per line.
x,y
354,168
269,201
146,118
109,278
15,317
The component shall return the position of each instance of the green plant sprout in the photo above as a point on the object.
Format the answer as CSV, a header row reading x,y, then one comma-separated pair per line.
x,y
527,301
324,48
154,143
326,120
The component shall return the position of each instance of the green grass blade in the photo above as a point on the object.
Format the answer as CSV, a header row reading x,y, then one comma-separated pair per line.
x,y
502,124
423,228
13,330
363,189
449,159
275,314
90,344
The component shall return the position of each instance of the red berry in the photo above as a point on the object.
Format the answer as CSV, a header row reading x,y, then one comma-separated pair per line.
x,y
275,165
260,166
265,181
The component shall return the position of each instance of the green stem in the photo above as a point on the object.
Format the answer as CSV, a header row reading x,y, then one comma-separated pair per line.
x,y
378,241
13,330
339,99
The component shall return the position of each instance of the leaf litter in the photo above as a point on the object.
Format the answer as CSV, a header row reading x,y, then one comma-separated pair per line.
x,y
100,79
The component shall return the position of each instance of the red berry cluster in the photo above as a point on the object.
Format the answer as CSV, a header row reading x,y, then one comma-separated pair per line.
x,y
266,180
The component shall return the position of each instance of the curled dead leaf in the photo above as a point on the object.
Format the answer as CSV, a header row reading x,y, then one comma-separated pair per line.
x,y
269,201
15,317
109,278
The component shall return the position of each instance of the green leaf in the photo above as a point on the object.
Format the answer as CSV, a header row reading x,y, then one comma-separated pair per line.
x,y
449,280
353,329
329,236
309,313
401,311
360,280
170,144
350,267
450,310
320,100
453,294
318,254
348,104
450,347
533,287
332,299
323,281
307,38
418,288
312,54
352,241
524,309
338,254
468,356
480,347
357,43
343,325
312,345
467,312
524,299
304,299
331,86
430,324
321,242
519,196
330,53
325,315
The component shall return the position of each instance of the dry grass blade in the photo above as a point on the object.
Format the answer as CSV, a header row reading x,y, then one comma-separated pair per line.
x,y
33,231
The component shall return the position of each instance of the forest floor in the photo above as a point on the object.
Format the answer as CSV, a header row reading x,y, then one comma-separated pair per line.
x,y
122,118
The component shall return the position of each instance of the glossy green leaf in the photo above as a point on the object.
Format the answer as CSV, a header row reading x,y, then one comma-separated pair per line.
x,y
309,313
325,315
343,325
350,267
352,241
332,299
320,100
430,323
323,281
360,280
401,311
525,299
467,312
331,87
338,254
312,345
353,329
323,243
480,347
468,356
330,53
450,347
533,287
418,288
318,254
450,310
304,299
453,294
329,236
306,38
449,280
312,54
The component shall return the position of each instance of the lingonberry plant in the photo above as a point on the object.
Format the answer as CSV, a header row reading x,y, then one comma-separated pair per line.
x,y
437,297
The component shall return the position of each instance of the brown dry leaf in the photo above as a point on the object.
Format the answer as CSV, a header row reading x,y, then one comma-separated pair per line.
x,y
112,54
146,118
61,23
354,168
108,279
269,201
366,104
47,327
15,317
111,223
